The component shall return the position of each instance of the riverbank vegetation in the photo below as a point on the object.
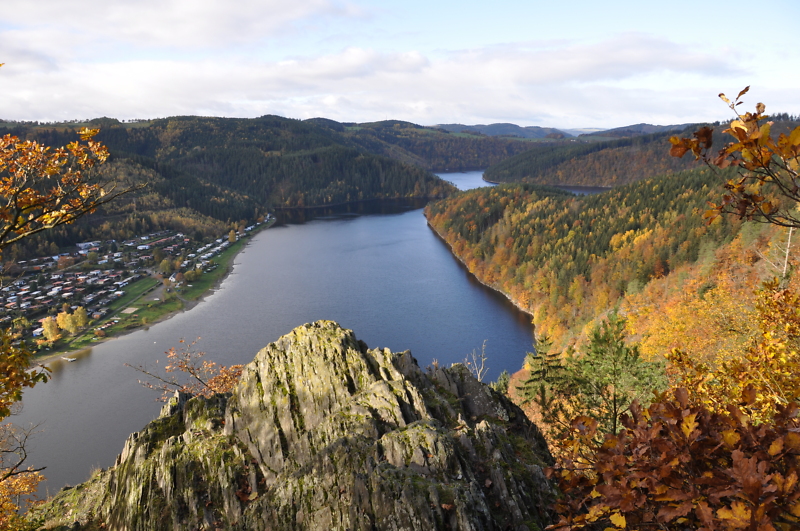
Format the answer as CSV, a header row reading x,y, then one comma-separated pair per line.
x,y
705,289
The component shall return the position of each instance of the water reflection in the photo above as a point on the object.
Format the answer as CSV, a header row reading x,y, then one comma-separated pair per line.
x,y
295,216
58,364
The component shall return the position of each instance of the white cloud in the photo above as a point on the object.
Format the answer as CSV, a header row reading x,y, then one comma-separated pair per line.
x,y
171,23
626,79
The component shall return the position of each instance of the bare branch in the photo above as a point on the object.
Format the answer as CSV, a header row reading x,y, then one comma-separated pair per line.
x,y
476,363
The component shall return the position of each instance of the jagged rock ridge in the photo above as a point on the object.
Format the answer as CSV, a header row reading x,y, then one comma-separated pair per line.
x,y
322,433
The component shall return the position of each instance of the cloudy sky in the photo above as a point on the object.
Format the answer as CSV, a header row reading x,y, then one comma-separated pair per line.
x,y
556,63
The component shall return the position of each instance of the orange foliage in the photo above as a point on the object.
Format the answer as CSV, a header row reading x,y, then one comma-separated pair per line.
x,y
768,368
680,466
206,378
705,310
768,168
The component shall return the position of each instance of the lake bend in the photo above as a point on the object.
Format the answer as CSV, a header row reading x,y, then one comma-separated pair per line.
x,y
386,276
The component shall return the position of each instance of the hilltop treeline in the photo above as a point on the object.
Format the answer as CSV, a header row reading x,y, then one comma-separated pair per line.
x,y
434,149
601,163
567,259
204,174
587,162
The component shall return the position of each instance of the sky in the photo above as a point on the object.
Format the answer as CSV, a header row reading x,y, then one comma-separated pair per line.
x,y
564,64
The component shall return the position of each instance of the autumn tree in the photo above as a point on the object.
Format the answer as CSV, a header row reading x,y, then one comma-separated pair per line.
x,y
67,321
722,450
767,183
65,262
81,317
20,324
40,188
165,266
768,368
188,372
50,327
17,484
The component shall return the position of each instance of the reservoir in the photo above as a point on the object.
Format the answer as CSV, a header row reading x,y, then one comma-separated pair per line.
x,y
386,275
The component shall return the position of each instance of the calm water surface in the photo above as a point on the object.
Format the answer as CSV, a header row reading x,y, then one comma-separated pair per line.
x,y
386,276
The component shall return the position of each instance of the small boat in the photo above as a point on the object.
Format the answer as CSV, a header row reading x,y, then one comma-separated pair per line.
x,y
68,359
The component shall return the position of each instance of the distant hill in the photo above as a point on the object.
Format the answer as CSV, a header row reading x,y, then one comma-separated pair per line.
x,y
581,162
432,148
582,130
505,129
603,160
204,174
636,130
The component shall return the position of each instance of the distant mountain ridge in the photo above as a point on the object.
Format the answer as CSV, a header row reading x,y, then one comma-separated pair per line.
x,y
609,158
506,129
536,132
636,130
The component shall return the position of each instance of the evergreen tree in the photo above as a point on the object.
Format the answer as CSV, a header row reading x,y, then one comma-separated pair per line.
x,y
611,375
601,382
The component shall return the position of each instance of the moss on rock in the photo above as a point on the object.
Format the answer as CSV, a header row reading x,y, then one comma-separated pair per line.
x,y
323,433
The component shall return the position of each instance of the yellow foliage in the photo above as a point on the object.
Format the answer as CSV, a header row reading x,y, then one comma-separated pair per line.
x,y
767,370
12,489
708,325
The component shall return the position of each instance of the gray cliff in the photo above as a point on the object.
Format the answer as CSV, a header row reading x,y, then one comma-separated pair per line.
x,y
322,433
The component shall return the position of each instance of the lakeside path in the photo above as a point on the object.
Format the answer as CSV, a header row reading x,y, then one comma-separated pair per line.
x,y
186,300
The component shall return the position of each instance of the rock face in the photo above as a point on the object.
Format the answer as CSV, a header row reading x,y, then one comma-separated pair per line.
x,y
322,433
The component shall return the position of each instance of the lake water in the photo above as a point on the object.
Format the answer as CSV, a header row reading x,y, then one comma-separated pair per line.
x,y
386,276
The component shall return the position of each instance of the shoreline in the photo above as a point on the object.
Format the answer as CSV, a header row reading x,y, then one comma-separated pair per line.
x,y
491,287
188,304
356,202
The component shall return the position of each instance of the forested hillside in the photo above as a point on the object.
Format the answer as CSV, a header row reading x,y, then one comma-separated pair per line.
x,y
505,129
431,148
568,259
610,162
598,163
270,161
204,174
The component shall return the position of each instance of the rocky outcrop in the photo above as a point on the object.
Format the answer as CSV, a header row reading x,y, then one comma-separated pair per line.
x,y
322,433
